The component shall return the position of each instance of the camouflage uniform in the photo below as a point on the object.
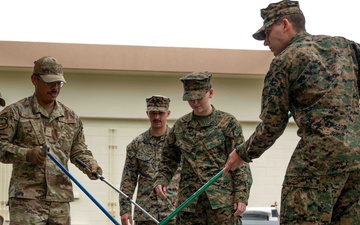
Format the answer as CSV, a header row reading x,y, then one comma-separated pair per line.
x,y
316,78
203,145
25,125
143,155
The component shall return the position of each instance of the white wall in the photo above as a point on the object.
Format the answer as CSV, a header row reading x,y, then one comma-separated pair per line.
x,y
103,95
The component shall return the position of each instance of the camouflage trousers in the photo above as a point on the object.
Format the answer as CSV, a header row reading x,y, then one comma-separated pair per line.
x,y
205,215
331,199
172,222
31,211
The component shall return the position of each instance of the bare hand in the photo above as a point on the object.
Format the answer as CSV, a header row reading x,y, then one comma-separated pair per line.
x,y
126,218
161,191
233,162
93,170
239,208
36,156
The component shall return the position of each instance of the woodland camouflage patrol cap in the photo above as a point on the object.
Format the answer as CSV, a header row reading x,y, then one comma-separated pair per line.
x,y
157,103
274,12
196,85
49,69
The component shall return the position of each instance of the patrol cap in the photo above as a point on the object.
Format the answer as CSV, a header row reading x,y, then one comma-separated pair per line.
x,y
49,69
157,103
274,12
2,101
196,85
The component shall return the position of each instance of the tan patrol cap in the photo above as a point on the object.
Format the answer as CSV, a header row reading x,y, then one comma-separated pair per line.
x,y
49,69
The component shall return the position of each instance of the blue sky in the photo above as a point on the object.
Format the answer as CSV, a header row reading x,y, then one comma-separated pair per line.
x,y
225,24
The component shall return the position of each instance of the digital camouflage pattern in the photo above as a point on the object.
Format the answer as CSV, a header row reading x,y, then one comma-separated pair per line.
x,y
203,150
196,85
274,12
27,125
316,79
310,200
221,216
143,155
157,103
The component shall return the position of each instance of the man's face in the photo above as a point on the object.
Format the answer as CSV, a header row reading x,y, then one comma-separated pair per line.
x,y
202,107
158,119
275,38
46,93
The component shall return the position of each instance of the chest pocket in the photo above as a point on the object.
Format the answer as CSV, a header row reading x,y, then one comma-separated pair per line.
x,y
215,140
63,133
29,131
146,161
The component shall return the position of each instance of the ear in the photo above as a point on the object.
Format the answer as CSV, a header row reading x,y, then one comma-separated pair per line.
x,y
211,92
286,24
168,113
34,79
288,28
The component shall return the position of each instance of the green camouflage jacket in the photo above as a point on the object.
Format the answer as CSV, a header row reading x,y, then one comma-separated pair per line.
x,y
316,78
25,125
143,155
203,150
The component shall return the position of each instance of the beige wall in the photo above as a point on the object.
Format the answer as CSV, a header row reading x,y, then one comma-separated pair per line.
x,y
109,95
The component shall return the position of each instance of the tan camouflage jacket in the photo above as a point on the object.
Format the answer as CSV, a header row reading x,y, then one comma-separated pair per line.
x,y
143,155
316,78
25,125
204,150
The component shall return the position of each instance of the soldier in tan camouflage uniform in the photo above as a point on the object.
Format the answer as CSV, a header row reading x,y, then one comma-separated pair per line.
x,y
39,190
202,140
142,158
316,78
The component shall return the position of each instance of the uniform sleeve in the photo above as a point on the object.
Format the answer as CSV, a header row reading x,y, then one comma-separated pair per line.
x,y
10,152
356,48
170,160
274,114
129,179
241,177
79,150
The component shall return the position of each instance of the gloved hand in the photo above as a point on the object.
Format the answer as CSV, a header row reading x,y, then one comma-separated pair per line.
x,y
36,156
93,169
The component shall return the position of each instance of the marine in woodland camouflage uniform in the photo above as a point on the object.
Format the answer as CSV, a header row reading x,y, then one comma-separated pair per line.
x,y
143,155
316,78
39,190
202,140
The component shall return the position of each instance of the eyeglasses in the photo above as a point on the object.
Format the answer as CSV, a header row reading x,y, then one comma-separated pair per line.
x,y
52,84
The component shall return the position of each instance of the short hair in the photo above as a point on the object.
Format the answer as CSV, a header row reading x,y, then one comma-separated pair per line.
x,y
297,20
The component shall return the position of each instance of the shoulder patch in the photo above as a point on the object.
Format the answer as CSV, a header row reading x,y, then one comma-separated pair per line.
x,y
3,122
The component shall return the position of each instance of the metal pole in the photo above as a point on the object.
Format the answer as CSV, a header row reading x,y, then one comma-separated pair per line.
x,y
80,186
116,189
